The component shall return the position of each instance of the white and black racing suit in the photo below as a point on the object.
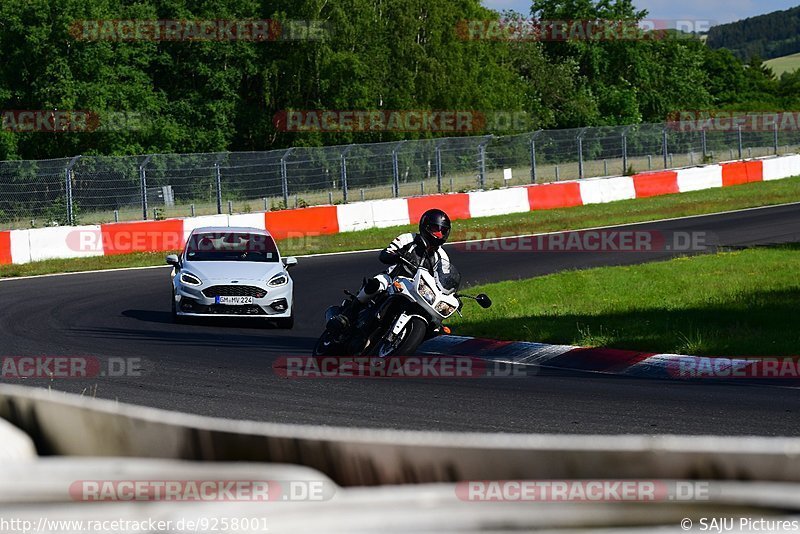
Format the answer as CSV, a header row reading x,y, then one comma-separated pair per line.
x,y
413,248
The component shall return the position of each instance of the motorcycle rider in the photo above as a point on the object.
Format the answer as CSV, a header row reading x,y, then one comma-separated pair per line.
x,y
421,248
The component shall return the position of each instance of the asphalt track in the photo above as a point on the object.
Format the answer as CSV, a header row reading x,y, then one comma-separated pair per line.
x,y
225,370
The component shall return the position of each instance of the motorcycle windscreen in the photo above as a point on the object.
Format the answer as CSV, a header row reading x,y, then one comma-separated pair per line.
x,y
447,277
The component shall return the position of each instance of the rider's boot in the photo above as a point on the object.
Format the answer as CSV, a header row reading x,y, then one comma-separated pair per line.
x,y
349,313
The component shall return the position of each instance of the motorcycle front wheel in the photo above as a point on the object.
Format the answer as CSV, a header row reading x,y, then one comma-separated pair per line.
x,y
404,344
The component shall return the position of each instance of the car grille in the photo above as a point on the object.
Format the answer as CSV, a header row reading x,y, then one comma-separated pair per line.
x,y
190,306
234,310
234,291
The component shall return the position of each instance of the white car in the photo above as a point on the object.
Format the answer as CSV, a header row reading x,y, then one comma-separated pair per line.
x,y
232,272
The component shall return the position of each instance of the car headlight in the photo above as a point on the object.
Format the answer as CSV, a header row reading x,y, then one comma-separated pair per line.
x,y
278,280
445,309
426,291
190,280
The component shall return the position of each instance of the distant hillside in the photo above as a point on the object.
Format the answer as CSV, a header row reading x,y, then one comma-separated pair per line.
x,y
784,64
767,36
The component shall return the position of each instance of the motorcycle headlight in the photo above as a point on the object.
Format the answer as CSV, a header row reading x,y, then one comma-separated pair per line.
x,y
445,309
426,291
190,280
278,280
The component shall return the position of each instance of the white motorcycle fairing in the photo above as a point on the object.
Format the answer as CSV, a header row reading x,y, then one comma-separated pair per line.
x,y
424,290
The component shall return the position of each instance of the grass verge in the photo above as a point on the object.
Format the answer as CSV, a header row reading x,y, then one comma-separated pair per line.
x,y
626,211
740,303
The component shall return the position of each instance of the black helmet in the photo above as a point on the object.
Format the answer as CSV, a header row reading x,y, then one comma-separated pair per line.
x,y
434,227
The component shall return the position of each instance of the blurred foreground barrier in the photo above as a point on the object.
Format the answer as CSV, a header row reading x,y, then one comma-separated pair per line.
x,y
15,444
64,424
66,494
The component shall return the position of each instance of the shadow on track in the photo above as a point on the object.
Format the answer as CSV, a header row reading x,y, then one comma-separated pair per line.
x,y
198,336
165,317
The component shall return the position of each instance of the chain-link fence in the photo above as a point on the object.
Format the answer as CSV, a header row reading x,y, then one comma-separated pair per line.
x,y
94,189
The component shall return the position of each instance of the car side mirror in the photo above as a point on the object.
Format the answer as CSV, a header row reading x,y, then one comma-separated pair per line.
x,y
290,261
484,301
173,260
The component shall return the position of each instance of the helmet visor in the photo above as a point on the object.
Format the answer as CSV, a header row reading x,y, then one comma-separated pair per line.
x,y
438,231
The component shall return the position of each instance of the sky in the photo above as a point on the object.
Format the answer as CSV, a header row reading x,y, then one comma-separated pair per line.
x,y
719,11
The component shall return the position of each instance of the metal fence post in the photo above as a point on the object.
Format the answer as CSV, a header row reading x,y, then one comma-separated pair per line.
x,y
665,148
438,157
143,184
68,175
533,154
218,174
739,135
344,172
285,177
704,137
580,152
775,127
625,131
218,179
624,152
396,169
482,159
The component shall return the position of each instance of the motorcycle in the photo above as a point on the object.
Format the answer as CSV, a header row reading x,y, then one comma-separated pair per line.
x,y
399,319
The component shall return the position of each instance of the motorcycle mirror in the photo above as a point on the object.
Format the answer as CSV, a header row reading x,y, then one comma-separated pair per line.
x,y
484,301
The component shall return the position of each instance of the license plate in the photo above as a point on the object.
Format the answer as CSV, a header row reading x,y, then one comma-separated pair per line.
x,y
234,301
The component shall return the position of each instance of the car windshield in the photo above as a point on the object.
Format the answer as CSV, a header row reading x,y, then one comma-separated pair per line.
x,y
231,246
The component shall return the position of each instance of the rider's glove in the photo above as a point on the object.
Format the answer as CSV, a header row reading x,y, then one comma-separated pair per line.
x,y
389,258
